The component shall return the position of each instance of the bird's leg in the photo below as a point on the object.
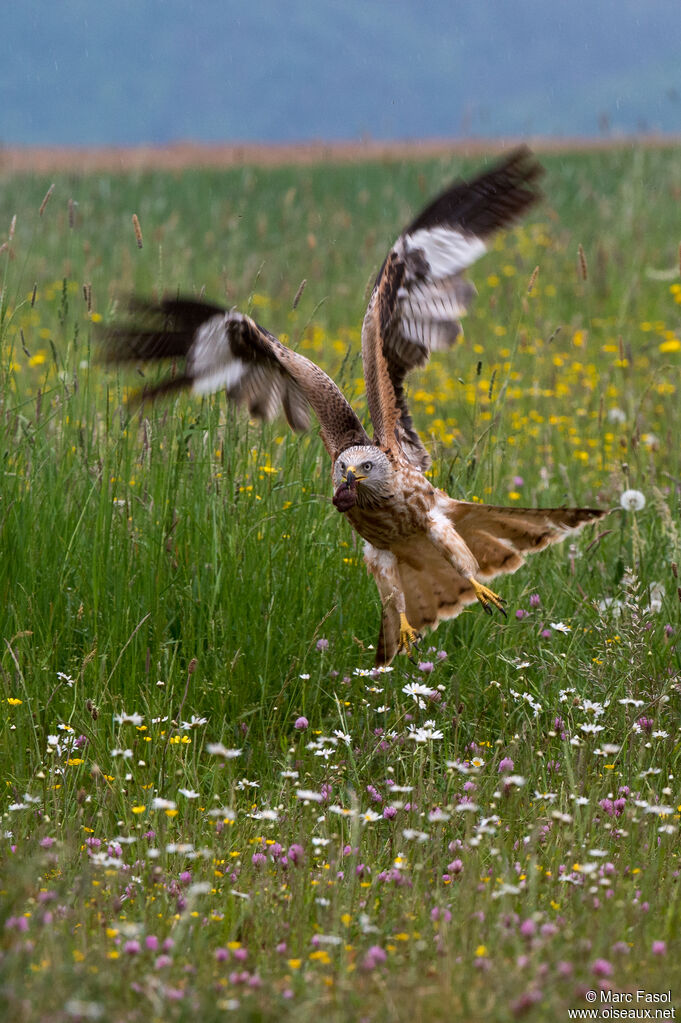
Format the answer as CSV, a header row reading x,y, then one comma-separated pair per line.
x,y
402,635
487,597
409,637
445,538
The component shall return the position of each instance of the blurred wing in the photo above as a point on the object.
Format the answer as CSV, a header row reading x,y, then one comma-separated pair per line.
x,y
226,349
421,292
501,538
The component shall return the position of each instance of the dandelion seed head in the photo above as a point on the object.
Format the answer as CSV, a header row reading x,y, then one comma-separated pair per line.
x,y
632,500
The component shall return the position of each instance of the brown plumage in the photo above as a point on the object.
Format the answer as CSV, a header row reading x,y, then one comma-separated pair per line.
x,y
427,552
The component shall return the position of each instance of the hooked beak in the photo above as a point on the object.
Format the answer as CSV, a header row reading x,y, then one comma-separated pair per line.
x,y
351,475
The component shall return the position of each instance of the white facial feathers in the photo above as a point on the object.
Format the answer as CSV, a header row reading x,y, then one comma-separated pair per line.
x,y
370,465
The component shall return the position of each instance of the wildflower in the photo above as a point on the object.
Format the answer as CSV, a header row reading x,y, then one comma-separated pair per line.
x,y
416,690
506,765
659,948
301,724
322,644
309,795
426,732
373,672
535,600
413,833
194,722
128,719
643,724
601,968
561,627
132,948
374,957
632,500
217,749
163,804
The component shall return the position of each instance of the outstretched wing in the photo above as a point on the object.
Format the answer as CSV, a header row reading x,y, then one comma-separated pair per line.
x,y
226,349
421,292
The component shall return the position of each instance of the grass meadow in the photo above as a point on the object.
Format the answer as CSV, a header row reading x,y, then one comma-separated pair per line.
x,y
210,805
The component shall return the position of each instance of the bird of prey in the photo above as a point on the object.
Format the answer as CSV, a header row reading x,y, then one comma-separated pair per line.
x,y
430,555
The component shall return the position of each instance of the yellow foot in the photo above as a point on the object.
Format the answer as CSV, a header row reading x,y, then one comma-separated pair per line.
x,y
408,637
487,597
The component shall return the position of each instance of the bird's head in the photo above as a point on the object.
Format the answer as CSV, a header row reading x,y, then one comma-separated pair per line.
x,y
362,475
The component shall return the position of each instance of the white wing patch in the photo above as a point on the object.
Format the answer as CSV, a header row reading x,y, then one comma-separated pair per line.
x,y
210,361
430,312
228,376
447,250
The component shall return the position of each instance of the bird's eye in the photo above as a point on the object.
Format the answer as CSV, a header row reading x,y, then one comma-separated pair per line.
x,y
342,465
368,466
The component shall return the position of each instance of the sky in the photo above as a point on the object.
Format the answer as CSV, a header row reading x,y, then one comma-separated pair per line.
x,y
86,72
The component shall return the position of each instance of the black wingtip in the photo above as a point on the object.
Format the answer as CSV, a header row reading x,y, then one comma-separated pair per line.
x,y
154,330
490,201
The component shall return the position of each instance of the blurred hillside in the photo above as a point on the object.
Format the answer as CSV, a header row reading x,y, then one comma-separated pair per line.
x,y
134,71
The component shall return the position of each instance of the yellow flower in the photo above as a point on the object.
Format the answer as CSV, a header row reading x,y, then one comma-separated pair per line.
x,y
14,702
672,345
138,809
481,950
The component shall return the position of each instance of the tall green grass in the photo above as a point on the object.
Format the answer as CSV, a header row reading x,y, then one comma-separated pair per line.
x,y
184,561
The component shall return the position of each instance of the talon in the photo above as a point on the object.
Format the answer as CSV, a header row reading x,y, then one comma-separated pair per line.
x,y
409,637
487,597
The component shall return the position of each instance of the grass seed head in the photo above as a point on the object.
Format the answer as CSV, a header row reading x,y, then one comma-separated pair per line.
x,y
138,230
45,201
